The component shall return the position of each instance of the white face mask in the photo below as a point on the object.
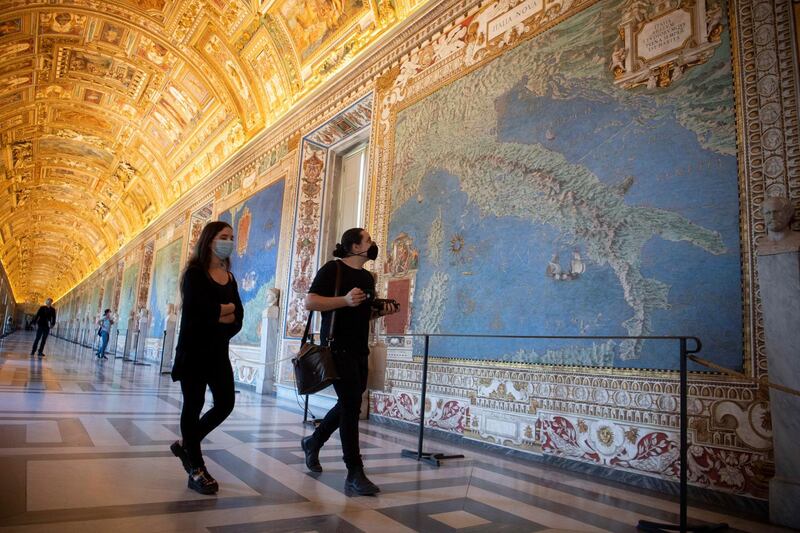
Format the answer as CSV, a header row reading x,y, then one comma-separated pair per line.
x,y
222,249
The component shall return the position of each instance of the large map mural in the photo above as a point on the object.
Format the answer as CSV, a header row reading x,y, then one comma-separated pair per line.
x,y
538,196
164,287
95,298
108,295
256,225
128,293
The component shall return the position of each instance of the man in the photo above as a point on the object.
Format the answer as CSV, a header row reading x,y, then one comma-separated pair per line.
x,y
355,306
45,319
104,330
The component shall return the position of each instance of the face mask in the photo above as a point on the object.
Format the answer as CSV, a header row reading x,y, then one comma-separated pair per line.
x,y
371,253
222,249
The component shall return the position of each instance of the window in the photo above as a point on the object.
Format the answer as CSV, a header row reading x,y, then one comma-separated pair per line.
x,y
350,190
347,197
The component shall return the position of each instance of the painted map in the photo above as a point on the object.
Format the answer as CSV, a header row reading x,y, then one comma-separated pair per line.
x,y
164,289
127,298
108,295
543,199
256,226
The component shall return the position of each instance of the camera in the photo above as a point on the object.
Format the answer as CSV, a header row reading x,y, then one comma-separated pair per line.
x,y
380,303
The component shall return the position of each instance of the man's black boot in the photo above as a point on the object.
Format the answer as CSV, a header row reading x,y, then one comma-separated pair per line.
x,y
357,484
312,454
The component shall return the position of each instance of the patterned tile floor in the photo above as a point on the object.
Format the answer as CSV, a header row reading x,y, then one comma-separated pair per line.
x,y
84,447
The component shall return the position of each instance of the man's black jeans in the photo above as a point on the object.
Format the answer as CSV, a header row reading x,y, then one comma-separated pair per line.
x,y
353,370
41,333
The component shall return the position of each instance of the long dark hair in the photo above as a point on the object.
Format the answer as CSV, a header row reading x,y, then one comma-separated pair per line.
x,y
201,257
349,238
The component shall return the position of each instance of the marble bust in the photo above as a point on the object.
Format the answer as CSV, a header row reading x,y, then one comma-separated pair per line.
x,y
273,295
778,214
171,316
272,298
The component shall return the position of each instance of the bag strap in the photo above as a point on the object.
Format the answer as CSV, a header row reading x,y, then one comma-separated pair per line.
x,y
335,294
333,315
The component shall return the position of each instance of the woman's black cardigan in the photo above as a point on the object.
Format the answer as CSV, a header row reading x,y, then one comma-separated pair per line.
x,y
203,340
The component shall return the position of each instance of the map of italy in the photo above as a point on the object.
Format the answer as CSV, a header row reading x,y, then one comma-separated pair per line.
x,y
541,139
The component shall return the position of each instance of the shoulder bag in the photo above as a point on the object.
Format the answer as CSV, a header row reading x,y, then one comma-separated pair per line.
x,y
314,366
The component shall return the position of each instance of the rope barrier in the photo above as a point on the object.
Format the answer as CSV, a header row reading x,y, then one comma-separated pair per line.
x,y
714,366
267,362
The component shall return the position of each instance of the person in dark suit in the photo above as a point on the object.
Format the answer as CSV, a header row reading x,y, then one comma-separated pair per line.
x,y
45,319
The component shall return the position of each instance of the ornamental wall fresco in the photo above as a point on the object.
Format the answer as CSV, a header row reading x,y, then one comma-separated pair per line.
x,y
623,413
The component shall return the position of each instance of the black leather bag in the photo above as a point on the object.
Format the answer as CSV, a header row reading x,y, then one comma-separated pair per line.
x,y
314,366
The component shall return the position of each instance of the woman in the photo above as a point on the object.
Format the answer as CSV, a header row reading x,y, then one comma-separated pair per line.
x,y
354,307
211,314
104,331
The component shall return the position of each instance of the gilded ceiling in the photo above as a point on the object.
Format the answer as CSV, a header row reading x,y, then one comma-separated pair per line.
x,y
111,110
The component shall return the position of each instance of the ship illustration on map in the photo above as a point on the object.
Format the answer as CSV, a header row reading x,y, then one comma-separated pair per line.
x,y
576,268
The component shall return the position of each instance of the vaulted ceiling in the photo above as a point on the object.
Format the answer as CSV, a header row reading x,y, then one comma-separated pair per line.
x,y
111,110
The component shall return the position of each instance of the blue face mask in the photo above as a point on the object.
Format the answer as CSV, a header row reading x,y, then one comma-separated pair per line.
x,y
222,249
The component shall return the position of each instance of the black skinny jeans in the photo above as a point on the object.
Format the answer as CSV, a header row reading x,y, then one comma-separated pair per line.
x,y
353,370
219,378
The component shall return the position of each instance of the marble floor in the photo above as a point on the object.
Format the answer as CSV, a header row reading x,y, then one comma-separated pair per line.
x,y
84,446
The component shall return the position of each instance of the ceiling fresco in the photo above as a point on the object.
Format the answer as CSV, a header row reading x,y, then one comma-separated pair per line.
x,y
111,111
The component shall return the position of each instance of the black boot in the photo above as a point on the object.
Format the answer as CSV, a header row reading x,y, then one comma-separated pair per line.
x,y
357,484
312,454
179,451
201,481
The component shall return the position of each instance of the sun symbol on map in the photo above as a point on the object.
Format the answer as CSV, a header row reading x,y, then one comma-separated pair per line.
x,y
456,244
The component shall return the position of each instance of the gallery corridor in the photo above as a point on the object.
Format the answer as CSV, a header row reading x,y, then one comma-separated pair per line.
x,y
84,446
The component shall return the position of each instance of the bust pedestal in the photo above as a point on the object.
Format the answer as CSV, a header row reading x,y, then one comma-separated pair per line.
x,y
129,336
141,338
269,349
169,342
779,281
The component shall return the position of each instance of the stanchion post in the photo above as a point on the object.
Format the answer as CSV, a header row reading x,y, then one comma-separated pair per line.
x,y
136,353
163,346
313,422
433,459
683,452
422,397
684,389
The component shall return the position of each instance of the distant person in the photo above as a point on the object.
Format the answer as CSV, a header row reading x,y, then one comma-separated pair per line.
x,y
44,319
211,314
104,331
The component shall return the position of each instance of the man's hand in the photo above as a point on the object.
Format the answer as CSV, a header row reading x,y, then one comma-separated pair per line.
x,y
389,308
227,319
355,297
226,309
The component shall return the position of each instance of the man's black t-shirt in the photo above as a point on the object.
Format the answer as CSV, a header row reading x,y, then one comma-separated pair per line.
x,y
351,327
